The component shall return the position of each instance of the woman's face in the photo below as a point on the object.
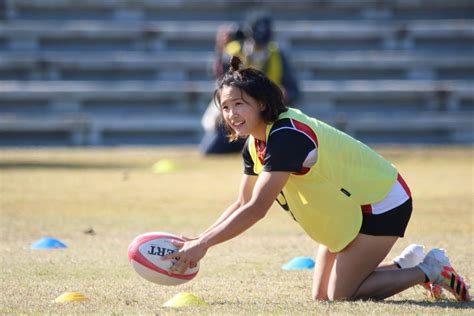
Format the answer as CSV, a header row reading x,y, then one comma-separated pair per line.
x,y
242,113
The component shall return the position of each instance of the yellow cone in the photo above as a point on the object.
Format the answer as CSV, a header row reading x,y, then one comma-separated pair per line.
x,y
70,297
184,299
164,166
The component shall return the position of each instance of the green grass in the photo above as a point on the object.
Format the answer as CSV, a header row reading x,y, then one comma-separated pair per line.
x,y
64,192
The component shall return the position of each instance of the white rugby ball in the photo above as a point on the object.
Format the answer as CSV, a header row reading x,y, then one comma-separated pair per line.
x,y
145,254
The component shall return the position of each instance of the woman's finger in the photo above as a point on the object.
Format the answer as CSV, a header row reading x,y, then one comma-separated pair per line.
x,y
179,267
177,243
182,269
175,255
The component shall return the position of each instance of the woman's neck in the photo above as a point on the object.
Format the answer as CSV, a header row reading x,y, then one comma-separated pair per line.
x,y
260,133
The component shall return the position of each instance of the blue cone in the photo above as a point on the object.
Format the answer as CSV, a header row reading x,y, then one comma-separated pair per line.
x,y
48,243
299,263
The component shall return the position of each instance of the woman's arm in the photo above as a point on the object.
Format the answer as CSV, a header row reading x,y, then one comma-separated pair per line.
x,y
266,190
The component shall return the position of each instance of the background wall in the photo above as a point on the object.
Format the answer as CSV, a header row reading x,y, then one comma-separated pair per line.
x,y
139,72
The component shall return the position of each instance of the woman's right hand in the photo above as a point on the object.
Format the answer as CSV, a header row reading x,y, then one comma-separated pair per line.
x,y
190,239
188,255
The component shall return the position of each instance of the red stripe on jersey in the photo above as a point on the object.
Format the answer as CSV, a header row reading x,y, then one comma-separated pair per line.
x,y
404,185
261,150
305,129
303,171
366,209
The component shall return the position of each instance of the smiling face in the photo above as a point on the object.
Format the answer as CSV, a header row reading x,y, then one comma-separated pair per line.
x,y
242,113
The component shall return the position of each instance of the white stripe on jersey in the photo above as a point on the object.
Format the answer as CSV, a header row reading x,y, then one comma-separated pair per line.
x,y
311,159
396,197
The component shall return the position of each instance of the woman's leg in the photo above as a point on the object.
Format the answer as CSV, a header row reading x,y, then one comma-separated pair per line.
x,y
354,274
324,263
322,271
410,257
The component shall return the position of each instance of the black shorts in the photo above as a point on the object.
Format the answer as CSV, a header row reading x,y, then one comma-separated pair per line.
x,y
391,223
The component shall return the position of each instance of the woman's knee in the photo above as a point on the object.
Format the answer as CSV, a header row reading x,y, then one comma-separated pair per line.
x,y
341,293
333,297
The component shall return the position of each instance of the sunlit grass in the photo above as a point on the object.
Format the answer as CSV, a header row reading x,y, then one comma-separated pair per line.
x,y
65,192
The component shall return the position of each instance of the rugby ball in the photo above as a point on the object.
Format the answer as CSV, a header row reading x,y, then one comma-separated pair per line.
x,y
145,254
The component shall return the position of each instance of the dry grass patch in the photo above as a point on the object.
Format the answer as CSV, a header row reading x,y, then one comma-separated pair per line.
x,y
64,192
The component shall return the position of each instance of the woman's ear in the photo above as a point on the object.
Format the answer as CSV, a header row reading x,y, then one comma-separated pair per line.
x,y
262,107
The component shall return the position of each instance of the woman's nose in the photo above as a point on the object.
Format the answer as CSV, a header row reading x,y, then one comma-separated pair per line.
x,y
232,112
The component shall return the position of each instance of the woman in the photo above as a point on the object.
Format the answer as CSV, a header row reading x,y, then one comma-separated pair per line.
x,y
344,195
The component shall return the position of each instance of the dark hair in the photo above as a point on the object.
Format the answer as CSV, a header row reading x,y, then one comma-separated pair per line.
x,y
255,84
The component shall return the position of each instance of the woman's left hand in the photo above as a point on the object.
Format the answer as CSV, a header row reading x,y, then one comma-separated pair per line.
x,y
189,254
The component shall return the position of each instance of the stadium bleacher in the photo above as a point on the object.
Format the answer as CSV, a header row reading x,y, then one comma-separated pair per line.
x,y
139,72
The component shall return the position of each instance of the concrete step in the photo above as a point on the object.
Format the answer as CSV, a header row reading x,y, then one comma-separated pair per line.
x,y
236,9
199,36
193,96
188,66
84,130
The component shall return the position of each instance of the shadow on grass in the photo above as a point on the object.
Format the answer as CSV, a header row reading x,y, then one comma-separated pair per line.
x,y
428,304
61,165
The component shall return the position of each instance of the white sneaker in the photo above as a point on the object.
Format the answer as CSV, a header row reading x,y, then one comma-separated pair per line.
x,y
411,256
438,269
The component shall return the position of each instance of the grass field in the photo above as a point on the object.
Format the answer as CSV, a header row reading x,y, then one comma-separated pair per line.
x,y
64,192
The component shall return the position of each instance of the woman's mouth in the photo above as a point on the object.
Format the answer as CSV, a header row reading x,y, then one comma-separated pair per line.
x,y
237,124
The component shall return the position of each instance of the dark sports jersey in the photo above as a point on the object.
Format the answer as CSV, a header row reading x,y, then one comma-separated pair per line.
x,y
291,147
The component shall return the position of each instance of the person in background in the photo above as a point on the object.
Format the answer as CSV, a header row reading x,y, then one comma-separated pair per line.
x,y
253,43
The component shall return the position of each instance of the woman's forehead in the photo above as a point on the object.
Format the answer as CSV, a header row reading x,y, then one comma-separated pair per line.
x,y
229,93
